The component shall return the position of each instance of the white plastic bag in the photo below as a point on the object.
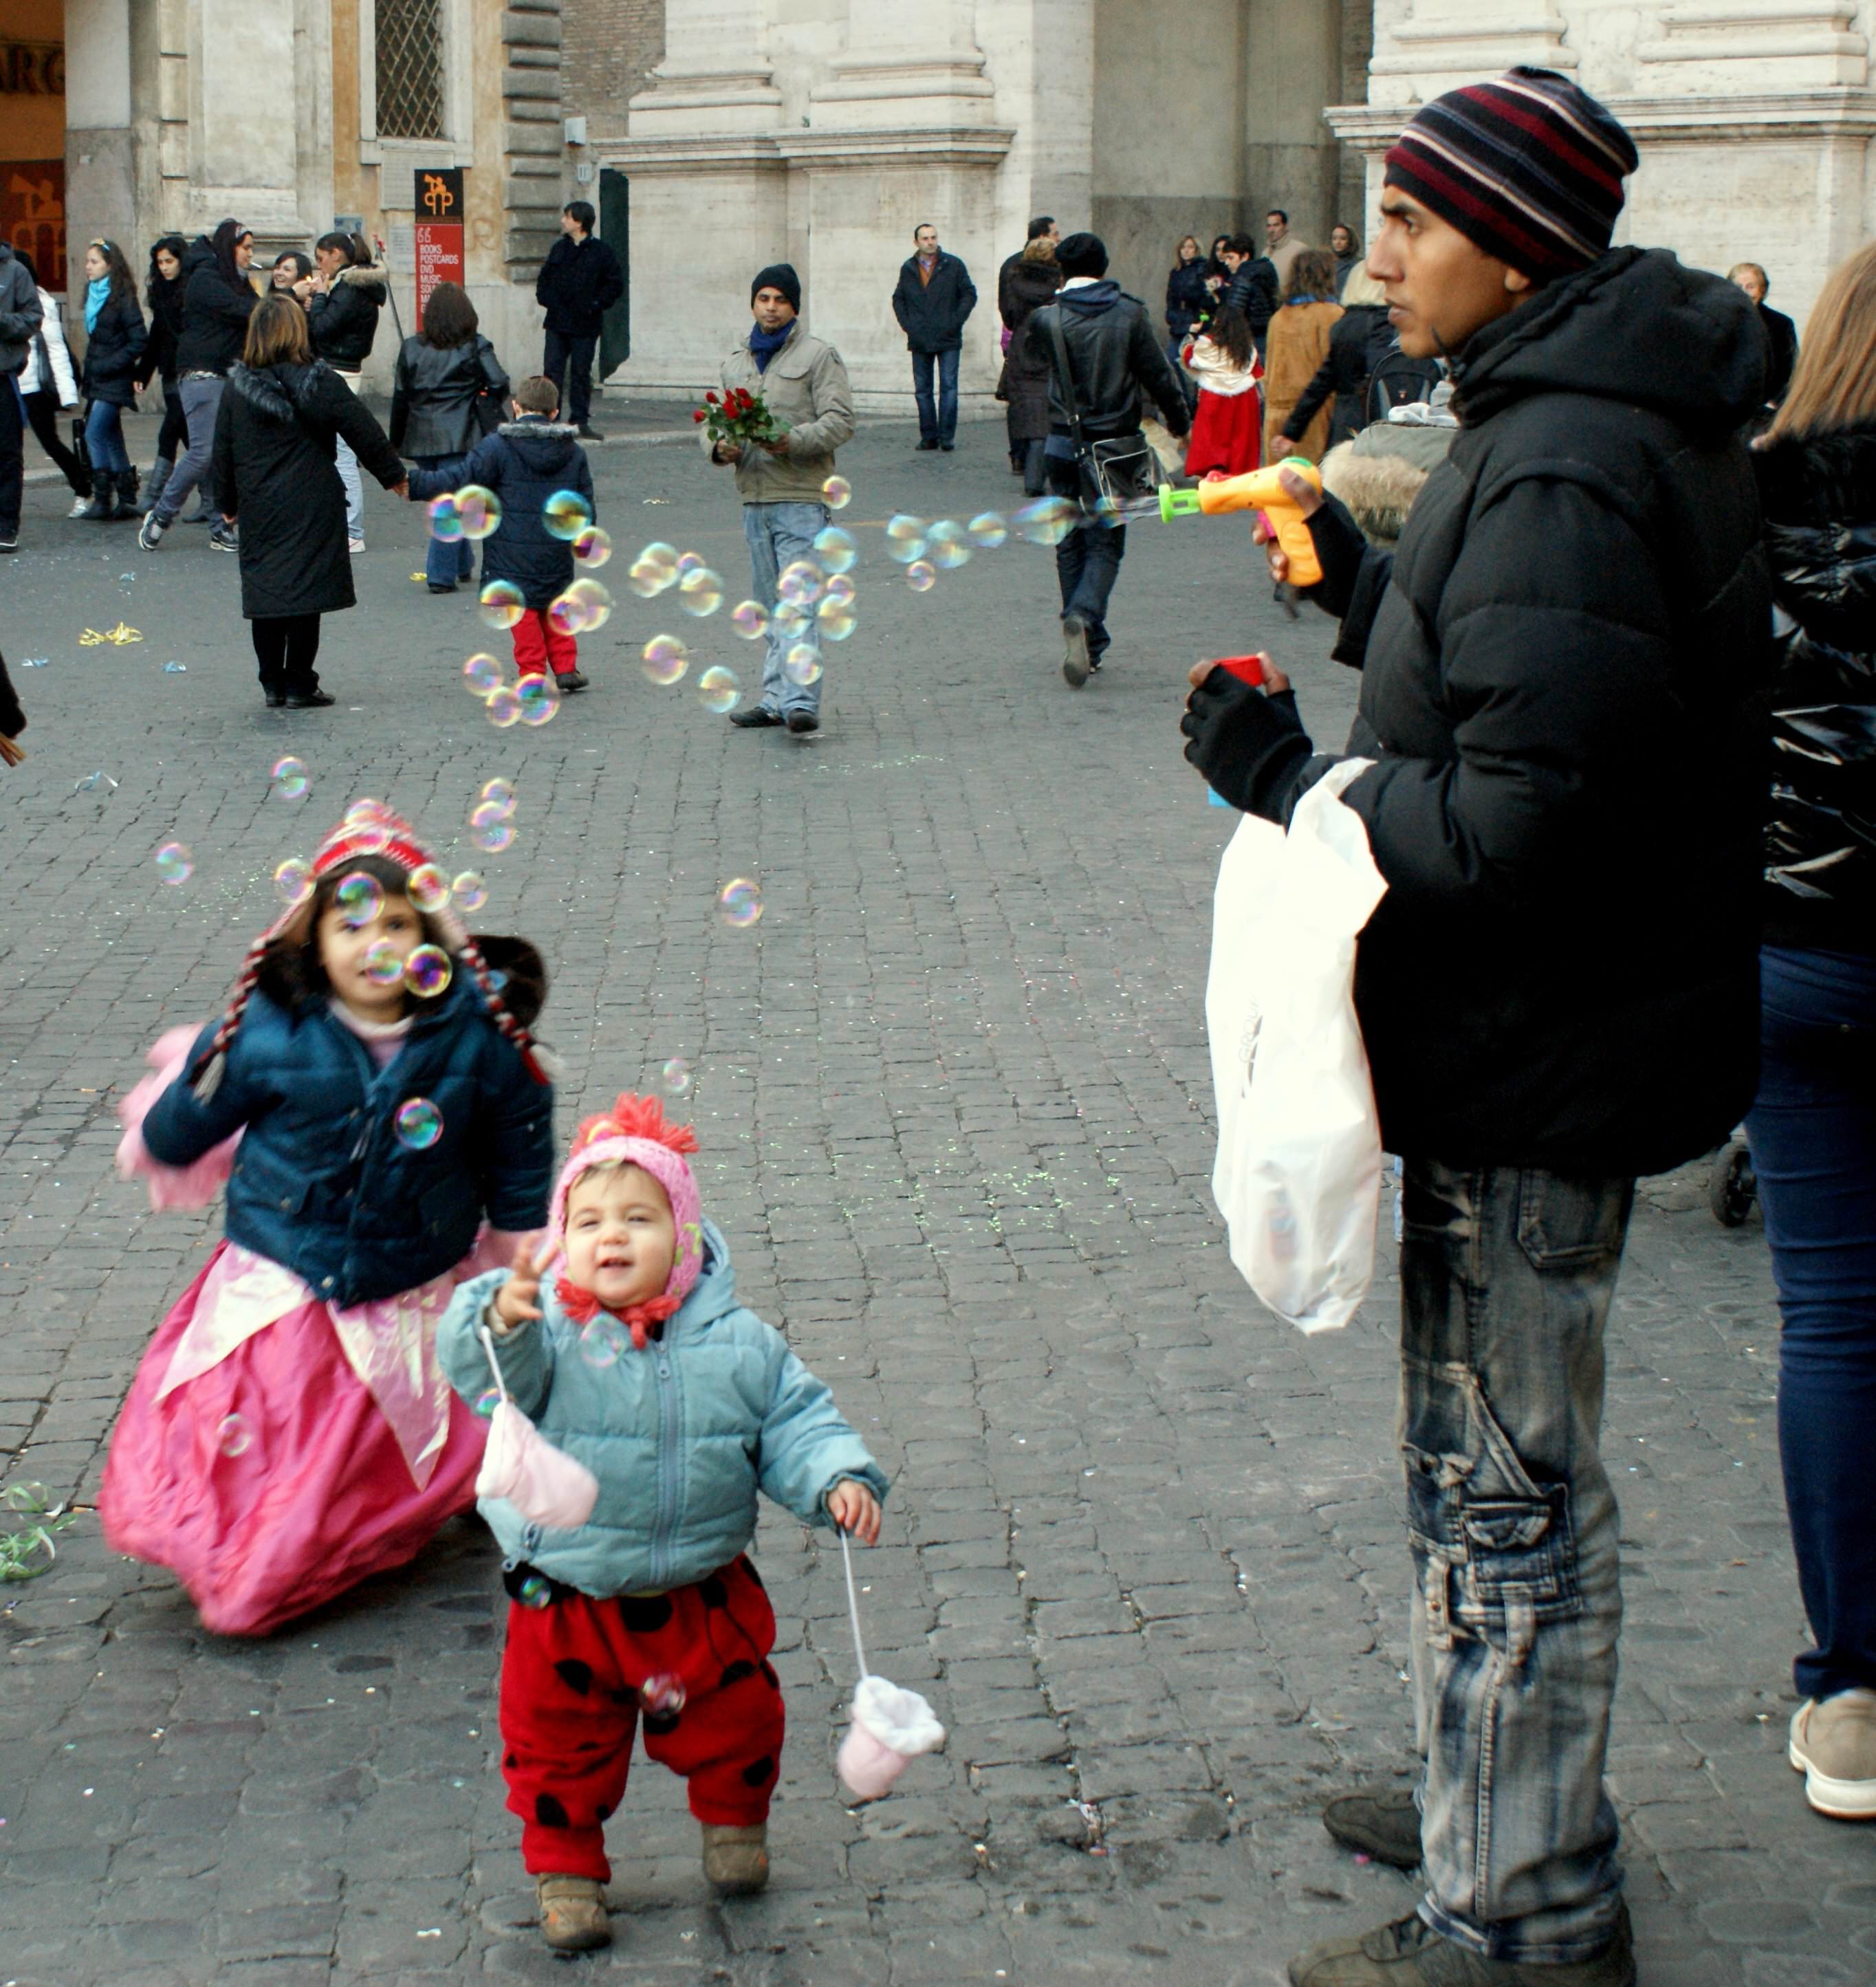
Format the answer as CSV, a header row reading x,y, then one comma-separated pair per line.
x,y
1298,1173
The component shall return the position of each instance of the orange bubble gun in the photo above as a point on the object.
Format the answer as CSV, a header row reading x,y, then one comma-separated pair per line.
x,y
1259,491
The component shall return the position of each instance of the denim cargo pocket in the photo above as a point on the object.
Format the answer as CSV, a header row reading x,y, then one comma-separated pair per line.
x,y
1521,1549
1566,1223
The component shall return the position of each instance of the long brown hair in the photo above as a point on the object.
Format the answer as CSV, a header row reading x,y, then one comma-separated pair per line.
x,y
1833,384
277,332
449,317
1312,275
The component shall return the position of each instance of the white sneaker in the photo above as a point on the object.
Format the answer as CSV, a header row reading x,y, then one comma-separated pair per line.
x,y
1833,1746
80,504
355,545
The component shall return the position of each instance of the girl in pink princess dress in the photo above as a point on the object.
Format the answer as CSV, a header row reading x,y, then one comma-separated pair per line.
x,y
384,1124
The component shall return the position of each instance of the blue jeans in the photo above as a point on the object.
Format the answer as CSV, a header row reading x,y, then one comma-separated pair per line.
x,y
446,560
936,423
346,463
1086,562
1813,1132
1505,1279
779,535
104,438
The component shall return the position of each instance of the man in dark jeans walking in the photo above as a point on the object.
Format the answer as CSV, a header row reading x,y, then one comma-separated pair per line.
x,y
1112,355
579,282
21,313
1562,666
934,297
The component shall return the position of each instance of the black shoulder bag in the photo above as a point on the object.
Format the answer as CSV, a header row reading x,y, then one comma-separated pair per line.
x,y
1121,469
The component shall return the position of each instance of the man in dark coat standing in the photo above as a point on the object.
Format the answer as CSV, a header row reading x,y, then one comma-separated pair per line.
x,y
1781,334
934,297
579,282
1563,783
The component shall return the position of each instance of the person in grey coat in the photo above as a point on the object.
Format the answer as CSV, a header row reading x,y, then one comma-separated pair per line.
x,y
21,315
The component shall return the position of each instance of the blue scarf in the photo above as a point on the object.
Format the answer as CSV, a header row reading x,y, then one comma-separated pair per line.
x,y
96,291
764,345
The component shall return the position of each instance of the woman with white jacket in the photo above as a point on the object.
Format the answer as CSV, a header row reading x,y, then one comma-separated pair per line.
x,y
49,387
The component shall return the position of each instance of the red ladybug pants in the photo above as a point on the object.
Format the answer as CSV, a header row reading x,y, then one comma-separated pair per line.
x,y
574,1681
538,643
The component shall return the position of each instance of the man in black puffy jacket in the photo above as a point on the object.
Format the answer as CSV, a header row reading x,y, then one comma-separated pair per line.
x,y
579,282
1561,665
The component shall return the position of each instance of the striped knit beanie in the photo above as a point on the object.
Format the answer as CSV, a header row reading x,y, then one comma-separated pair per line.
x,y
1529,168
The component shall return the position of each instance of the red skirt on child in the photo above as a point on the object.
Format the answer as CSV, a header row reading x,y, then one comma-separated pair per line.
x,y
1227,434
260,1468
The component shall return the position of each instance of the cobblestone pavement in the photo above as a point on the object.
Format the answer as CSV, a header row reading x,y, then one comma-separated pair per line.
x,y
1144,1549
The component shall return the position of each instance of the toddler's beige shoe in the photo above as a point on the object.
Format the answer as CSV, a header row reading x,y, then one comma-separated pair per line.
x,y
572,1913
1833,1746
735,1860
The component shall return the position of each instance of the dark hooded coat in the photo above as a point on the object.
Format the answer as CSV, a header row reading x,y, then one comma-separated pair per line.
x,y
275,444
1025,381
1563,672
215,311
342,321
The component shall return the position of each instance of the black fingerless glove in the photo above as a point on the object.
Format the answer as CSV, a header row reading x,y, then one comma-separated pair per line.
x,y
1251,748
1340,549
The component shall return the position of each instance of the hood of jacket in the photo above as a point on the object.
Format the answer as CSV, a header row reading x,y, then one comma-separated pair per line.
x,y
199,255
1636,326
546,447
370,278
1089,298
275,392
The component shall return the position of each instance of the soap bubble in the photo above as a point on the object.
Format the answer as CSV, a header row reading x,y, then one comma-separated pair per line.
x,y
566,613
654,569
1047,522
501,604
835,548
419,1124
479,510
383,964
800,582
499,794
483,673
717,688
427,972
739,902
293,881
750,619
487,1401
921,575
989,530
490,828
840,587
289,778
905,538
469,890
234,1437
596,603
690,562
790,620
368,838
665,659
364,808
539,702
676,1076
175,669
25,1497
565,515
947,544
446,521
835,618
593,547
663,1696
537,1590
358,899
428,888
503,707
603,1342
837,493
802,664
700,591
174,863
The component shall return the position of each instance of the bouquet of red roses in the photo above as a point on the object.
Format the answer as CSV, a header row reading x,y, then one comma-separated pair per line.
x,y
738,416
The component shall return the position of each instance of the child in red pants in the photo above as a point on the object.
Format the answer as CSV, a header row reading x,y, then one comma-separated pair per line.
x,y
542,479
638,1363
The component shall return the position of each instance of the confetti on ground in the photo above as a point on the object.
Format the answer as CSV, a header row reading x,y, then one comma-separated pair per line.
x,y
90,638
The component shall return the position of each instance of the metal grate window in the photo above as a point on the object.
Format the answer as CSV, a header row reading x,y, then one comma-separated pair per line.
x,y
410,36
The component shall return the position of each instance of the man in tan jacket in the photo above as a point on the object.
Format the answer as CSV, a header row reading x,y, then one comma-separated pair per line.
x,y
781,482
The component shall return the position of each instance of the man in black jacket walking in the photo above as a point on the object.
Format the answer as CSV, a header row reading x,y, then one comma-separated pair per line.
x,y
1561,670
1107,339
934,297
579,282
20,315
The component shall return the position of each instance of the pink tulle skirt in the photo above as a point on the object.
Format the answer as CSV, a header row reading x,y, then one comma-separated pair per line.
x,y
306,1493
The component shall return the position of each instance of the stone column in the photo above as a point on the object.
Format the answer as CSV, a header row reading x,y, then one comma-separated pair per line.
x,y
100,161
240,164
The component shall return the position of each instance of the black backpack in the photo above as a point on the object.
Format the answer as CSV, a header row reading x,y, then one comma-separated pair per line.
x,y
1397,379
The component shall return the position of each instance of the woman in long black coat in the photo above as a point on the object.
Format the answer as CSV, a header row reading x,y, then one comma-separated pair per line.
x,y
1032,282
276,475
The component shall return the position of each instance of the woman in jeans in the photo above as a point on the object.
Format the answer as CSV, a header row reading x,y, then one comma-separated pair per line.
x,y
1813,1127
343,298
115,336
449,391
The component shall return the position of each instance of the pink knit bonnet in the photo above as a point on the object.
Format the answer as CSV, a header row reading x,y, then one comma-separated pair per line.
x,y
635,1132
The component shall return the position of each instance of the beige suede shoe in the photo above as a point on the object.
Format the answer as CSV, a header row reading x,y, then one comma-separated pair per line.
x,y
1833,1746
735,1860
572,1913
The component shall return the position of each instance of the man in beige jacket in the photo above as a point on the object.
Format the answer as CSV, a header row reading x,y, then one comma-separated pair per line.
x,y
781,482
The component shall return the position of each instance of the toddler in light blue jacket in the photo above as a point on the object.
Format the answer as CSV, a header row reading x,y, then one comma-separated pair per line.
x,y
638,1362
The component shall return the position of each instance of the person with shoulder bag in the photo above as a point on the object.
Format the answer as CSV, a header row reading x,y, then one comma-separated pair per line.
x,y
1098,345
449,392
114,337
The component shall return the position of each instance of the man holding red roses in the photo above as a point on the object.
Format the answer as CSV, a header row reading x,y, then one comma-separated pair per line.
x,y
785,408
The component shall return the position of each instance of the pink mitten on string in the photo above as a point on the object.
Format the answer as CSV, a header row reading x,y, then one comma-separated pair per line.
x,y
192,1186
891,1727
546,1485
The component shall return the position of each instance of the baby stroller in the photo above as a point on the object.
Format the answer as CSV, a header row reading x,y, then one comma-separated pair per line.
x,y
1733,1186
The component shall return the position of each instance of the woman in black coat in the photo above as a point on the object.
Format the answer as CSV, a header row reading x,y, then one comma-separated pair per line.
x,y
1189,299
346,294
163,293
449,391
1031,283
114,337
276,438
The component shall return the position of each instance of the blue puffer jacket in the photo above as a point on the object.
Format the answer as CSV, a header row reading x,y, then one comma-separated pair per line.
x,y
681,1435
322,1182
523,462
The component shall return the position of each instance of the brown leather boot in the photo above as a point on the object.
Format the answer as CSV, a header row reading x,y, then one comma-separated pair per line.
x,y
735,1860
572,1913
